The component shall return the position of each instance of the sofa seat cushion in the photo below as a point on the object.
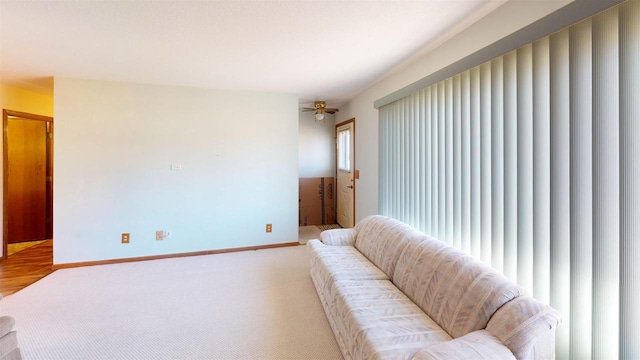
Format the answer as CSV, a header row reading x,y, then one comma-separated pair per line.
x,y
378,321
343,263
456,290
478,345
332,263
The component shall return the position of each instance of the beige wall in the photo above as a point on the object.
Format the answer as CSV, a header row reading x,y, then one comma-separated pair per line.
x,y
14,98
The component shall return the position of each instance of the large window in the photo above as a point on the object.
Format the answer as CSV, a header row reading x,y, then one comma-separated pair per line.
x,y
530,162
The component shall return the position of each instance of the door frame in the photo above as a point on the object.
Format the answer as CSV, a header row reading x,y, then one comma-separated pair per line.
x,y
356,174
5,172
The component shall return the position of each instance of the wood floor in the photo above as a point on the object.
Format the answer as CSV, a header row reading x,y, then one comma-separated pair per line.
x,y
25,267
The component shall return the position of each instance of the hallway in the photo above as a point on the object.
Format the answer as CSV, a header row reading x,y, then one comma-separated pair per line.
x,y
25,267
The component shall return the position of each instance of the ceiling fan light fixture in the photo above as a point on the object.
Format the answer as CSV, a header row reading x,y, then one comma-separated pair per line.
x,y
320,108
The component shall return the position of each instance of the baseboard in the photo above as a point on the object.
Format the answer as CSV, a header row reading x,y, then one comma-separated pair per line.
x,y
170,256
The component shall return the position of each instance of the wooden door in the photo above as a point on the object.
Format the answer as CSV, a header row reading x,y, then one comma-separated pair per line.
x,y
345,181
26,188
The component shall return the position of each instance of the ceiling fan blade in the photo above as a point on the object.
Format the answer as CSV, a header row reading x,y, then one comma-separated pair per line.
x,y
308,109
331,111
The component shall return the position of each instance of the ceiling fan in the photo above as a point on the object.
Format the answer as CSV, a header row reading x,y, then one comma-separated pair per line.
x,y
320,107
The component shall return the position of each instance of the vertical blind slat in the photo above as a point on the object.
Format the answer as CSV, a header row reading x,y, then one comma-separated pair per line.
x,y
606,180
541,171
497,163
435,205
422,159
524,261
510,166
629,174
409,196
428,157
442,190
465,159
449,180
485,162
580,50
560,297
456,224
475,173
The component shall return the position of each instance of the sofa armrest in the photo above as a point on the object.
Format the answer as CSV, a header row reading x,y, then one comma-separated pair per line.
x,y
527,327
480,344
8,340
339,237
6,325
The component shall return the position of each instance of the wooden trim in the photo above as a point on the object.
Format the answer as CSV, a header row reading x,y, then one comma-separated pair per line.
x,y
29,116
355,188
170,256
5,188
345,122
5,169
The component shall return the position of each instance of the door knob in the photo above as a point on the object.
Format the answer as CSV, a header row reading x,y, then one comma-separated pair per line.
x,y
350,186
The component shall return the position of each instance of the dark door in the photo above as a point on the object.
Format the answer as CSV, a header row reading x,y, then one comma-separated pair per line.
x,y
27,189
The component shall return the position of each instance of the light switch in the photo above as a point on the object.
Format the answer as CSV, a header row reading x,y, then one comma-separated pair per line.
x,y
176,166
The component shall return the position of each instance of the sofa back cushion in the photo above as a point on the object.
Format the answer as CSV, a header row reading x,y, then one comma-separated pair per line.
x,y
457,291
381,239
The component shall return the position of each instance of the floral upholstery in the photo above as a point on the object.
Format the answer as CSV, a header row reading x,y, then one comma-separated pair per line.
x,y
9,349
478,345
457,291
391,292
333,263
339,237
382,241
522,319
378,321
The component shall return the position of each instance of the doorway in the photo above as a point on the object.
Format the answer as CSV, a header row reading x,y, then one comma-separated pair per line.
x,y
345,173
28,178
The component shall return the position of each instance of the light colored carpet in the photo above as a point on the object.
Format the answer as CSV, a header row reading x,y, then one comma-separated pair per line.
x,y
306,233
245,305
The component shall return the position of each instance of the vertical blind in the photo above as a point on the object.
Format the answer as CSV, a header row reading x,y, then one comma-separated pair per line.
x,y
531,163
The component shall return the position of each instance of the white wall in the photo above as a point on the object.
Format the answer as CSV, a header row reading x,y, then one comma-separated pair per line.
x,y
114,146
505,20
317,149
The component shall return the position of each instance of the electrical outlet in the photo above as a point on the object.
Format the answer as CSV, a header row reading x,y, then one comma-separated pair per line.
x,y
268,228
159,235
125,238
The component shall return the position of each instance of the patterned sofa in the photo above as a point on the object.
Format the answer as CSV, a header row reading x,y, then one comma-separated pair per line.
x,y
8,342
391,292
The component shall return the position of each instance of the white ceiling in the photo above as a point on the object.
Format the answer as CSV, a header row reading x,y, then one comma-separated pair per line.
x,y
317,50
